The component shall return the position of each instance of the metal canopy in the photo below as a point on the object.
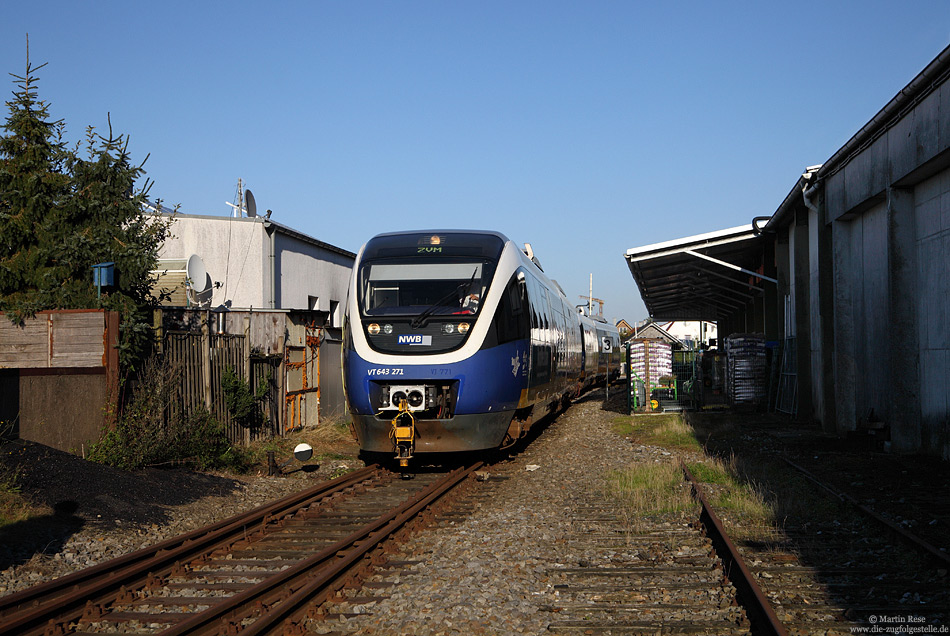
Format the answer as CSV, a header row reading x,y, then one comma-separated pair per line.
x,y
700,277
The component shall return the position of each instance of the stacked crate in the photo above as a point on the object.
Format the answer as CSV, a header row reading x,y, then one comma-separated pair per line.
x,y
746,369
655,355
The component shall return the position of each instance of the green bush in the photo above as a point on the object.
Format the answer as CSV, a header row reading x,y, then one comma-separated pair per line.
x,y
148,433
243,404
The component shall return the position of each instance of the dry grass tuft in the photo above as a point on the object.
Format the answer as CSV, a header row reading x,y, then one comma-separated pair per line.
x,y
331,439
667,430
650,491
739,502
14,506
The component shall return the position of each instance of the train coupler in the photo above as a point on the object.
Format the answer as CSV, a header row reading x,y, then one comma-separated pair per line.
x,y
403,434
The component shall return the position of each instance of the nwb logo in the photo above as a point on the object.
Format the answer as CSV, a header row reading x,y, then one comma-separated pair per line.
x,y
414,339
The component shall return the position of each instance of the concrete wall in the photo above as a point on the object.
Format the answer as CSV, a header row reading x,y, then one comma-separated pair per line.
x,y
863,304
865,264
306,271
932,243
816,397
66,411
887,210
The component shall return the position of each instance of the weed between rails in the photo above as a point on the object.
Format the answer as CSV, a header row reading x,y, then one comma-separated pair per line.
x,y
664,430
650,490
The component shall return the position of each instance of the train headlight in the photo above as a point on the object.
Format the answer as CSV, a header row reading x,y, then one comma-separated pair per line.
x,y
461,328
373,329
416,398
387,329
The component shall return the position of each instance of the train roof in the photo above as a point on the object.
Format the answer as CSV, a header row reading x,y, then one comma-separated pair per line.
x,y
440,231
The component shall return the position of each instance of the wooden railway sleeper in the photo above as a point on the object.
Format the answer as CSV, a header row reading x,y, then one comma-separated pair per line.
x,y
378,556
296,629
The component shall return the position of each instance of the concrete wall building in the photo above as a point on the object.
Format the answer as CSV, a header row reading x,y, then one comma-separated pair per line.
x,y
868,236
257,263
851,272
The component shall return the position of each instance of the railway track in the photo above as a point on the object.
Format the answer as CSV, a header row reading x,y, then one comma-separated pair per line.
x,y
829,564
822,571
683,575
257,573
839,570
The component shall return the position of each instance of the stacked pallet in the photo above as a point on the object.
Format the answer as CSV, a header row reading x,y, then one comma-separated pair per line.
x,y
746,369
655,355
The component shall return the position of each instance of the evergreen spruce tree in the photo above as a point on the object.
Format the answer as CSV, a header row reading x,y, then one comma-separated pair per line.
x,y
32,184
61,213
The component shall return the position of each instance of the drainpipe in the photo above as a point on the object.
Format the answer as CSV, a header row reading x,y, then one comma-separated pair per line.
x,y
272,263
808,193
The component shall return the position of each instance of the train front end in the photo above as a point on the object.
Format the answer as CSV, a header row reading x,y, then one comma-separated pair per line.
x,y
423,370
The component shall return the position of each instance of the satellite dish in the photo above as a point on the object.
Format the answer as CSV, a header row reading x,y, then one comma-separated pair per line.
x,y
249,203
197,274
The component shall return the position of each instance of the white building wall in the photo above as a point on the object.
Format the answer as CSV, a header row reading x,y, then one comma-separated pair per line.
x,y
232,250
237,255
684,330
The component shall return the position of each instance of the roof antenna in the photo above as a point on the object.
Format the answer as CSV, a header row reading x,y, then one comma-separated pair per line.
x,y
245,202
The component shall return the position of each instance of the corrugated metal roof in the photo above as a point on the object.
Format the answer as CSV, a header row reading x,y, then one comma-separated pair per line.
x,y
678,283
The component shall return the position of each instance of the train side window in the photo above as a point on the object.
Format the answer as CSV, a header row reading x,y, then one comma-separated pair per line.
x,y
537,303
510,321
545,310
514,297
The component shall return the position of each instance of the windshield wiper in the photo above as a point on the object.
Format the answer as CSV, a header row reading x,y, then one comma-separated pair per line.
x,y
421,319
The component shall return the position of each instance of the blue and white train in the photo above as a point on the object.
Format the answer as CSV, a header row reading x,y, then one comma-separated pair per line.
x,y
457,341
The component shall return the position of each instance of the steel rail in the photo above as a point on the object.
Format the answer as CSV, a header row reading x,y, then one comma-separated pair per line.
x,y
761,615
909,537
64,599
309,582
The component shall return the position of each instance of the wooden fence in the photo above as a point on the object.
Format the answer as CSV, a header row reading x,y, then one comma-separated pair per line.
x,y
283,350
200,361
59,373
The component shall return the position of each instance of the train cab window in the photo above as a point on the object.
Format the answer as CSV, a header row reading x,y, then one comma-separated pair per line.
x,y
411,288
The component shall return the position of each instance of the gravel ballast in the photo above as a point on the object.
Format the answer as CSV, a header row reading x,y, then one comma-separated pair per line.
x,y
496,570
96,513
491,570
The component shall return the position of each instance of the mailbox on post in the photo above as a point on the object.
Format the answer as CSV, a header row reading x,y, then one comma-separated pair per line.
x,y
103,275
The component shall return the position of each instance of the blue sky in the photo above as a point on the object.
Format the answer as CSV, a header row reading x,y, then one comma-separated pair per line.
x,y
584,128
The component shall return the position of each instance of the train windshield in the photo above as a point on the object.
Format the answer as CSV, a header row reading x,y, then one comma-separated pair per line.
x,y
431,288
